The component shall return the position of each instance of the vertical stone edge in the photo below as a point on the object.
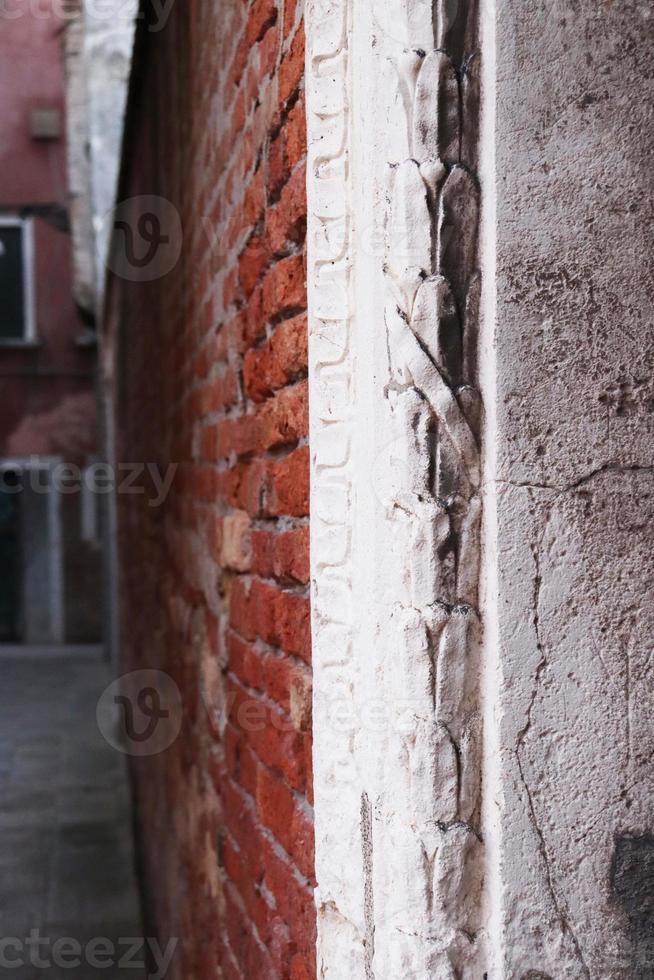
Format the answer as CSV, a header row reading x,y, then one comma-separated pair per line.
x,y
393,125
340,852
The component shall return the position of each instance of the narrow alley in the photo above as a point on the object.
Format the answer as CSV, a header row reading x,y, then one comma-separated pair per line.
x,y
66,855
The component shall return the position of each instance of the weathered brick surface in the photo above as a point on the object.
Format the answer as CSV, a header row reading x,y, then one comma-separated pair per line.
x,y
213,360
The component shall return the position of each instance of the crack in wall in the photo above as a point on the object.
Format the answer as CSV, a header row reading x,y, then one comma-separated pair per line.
x,y
536,549
368,893
587,478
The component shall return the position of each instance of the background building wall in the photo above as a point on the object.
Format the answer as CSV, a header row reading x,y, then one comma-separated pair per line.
x,y
46,390
210,366
47,382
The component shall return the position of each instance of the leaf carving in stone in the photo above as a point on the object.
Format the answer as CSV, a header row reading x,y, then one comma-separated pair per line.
x,y
409,232
436,115
435,322
458,218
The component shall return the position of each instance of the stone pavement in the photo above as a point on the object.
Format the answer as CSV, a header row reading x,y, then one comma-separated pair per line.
x,y
66,857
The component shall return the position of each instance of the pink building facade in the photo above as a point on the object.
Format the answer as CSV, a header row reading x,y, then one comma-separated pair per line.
x,y
48,531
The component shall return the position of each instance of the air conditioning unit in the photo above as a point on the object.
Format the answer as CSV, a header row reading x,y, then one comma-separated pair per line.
x,y
45,123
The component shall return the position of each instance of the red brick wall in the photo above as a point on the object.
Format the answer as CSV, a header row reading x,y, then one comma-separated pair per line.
x,y
211,373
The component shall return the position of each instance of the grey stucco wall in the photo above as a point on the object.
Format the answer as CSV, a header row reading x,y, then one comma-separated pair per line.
x,y
108,51
575,402
98,51
79,178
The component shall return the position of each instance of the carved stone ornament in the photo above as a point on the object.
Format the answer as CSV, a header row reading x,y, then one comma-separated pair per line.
x,y
396,416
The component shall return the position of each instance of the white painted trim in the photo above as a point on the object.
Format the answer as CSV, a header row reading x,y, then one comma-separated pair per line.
x,y
27,243
395,494
340,895
29,280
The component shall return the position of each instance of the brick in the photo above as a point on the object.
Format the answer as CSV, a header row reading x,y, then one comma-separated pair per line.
x,y
239,435
254,201
282,815
277,674
221,391
290,896
301,691
245,662
243,486
253,260
255,318
291,69
286,222
239,61
270,735
248,212
288,148
240,615
302,968
283,555
268,53
282,618
296,133
282,359
284,288
201,364
262,17
292,622
236,543
290,15
287,485
284,418
281,421
277,617
274,805
230,337
230,287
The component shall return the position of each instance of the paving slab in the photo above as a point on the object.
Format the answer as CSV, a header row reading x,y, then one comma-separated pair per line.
x,y
66,850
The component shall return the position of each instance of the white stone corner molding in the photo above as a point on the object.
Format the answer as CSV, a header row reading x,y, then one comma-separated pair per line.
x,y
393,123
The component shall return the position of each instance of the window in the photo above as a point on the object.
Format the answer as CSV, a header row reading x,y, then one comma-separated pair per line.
x,y
16,281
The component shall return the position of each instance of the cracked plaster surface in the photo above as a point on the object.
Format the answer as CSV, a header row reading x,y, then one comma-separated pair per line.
x,y
574,484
